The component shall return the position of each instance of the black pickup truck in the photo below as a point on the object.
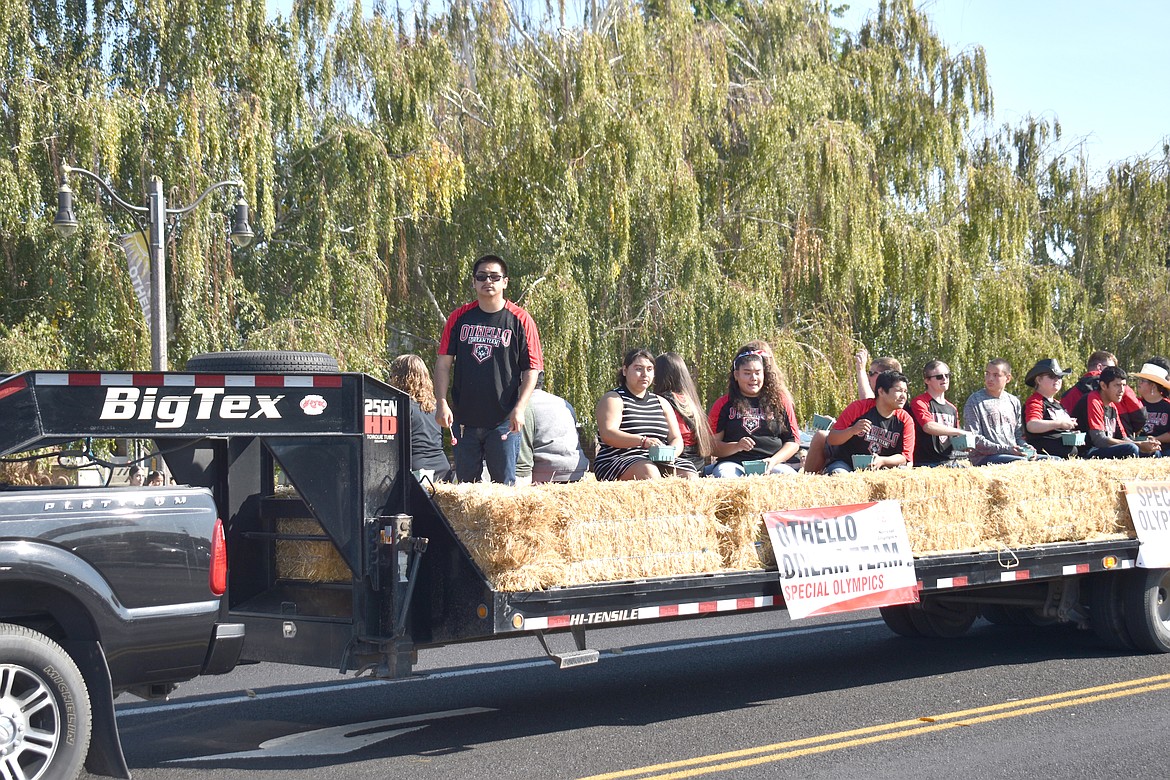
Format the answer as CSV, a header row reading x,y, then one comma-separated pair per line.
x,y
102,590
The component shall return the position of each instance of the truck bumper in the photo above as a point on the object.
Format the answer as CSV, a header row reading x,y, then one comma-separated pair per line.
x,y
227,640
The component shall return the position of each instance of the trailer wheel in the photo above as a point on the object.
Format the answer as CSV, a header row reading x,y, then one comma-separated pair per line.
x,y
943,620
45,716
1107,610
898,620
273,362
1146,595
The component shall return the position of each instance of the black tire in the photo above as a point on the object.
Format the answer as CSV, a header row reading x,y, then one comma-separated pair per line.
x,y
1107,610
898,620
43,695
943,620
1146,595
264,362
1011,615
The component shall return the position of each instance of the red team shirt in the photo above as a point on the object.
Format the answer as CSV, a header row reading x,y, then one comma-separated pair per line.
x,y
888,436
928,448
491,351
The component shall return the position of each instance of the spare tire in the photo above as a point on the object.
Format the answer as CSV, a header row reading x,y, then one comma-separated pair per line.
x,y
270,362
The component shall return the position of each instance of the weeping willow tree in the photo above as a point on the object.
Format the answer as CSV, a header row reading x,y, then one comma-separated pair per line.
x,y
666,174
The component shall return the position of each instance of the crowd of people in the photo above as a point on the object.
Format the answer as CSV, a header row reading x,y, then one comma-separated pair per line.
x,y
506,428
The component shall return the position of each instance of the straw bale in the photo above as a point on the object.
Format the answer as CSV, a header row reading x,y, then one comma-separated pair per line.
x,y
744,540
540,536
309,561
1041,502
945,509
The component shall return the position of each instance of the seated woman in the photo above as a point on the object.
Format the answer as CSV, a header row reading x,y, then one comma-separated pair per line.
x,y
1044,418
409,374
673,382
753,422
631,420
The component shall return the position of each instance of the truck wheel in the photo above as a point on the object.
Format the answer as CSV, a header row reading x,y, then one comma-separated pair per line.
x,y
264,362
1146,595
45,714
898,620
1107,610
942,620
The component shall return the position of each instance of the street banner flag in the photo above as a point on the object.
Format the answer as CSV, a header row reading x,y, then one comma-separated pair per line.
x,y
138,259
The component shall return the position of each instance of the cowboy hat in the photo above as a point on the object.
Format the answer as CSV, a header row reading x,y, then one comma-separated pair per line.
x,y
1046,366
1155,374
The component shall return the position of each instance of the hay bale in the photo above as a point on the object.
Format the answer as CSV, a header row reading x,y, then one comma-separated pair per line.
x,y
946,509
1053,501
539,536
297,559
743,540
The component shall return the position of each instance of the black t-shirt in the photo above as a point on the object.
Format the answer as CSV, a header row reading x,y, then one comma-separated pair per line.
x,y
426,441
1037,407
1157,418
769,431
491,351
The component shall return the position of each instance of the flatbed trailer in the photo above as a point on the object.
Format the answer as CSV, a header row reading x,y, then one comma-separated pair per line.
x,y
245,428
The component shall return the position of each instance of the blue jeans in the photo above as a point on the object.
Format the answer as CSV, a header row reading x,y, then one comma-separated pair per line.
x,y
1125,450
1002,459
498,447
729,468
839,467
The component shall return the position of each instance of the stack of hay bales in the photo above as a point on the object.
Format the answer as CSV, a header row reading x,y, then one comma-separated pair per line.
x,y
544,536
560,535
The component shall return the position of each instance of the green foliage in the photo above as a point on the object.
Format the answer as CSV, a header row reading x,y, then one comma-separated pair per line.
x,y
683,176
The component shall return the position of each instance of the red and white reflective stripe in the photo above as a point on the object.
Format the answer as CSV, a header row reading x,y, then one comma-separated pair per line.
x,y
951,582
92,379
1075,568
1014,575
652,613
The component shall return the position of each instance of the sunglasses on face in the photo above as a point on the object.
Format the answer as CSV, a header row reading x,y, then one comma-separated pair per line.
x,y
939,377
486,277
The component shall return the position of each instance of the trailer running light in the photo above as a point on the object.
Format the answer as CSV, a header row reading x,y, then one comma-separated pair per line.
x,y
481,611
1109,561
517,621
217,578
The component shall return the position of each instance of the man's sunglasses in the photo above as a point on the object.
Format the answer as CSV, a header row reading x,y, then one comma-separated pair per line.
x,y
939,377
485,277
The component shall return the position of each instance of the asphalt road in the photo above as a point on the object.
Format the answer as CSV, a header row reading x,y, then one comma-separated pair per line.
x,y
735,697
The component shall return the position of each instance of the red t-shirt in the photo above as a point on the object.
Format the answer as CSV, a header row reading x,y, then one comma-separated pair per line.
x,y
927,447
888,436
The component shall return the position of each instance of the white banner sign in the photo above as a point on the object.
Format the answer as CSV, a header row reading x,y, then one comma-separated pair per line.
x,y
843,558
1149,508
138,260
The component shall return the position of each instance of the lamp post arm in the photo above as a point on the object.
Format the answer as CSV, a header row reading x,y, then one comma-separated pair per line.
x,y
217,186
68,169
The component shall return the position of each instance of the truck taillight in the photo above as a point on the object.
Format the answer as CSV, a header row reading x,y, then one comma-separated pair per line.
x,y
217,579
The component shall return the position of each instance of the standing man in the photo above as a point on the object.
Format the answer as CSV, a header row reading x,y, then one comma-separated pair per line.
x,y
936,419
495,350
996,416
1098,416
875,426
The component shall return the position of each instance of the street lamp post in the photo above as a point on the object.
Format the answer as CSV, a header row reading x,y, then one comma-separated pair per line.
x,y
154,214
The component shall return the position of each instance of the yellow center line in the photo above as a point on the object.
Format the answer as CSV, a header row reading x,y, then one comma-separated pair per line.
x,y
779,751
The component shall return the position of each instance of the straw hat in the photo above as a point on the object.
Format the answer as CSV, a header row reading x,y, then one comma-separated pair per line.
x,y
1155,374
1046,366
